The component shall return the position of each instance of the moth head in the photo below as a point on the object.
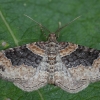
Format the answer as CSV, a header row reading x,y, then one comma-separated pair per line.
x,y
52,37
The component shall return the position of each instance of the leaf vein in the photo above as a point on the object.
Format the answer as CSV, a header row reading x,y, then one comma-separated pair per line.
x,y
9,29
40,95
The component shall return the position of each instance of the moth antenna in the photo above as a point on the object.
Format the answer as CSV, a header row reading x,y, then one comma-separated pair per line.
x,y
59,29
37,23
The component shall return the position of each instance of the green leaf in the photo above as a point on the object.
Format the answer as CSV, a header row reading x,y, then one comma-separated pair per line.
x,y
16,29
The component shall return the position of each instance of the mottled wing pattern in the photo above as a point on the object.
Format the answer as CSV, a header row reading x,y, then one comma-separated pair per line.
x,y
28,67
24,66
81,65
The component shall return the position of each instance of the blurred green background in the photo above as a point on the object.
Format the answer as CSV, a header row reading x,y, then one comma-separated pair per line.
x,y
16,29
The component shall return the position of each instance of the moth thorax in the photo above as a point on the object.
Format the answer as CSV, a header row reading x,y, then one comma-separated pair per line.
x,y
52,49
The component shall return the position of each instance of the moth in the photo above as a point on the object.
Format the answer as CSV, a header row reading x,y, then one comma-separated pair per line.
x,y
69,66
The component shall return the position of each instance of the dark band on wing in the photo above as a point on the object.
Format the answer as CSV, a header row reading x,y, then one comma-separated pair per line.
x,y
82,55
41,44
22,55
63,45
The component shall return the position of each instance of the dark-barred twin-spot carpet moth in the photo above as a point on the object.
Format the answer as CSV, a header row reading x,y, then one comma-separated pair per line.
x,y
69,66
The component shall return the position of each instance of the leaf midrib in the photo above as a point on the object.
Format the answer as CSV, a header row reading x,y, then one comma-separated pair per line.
x,y
9,28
